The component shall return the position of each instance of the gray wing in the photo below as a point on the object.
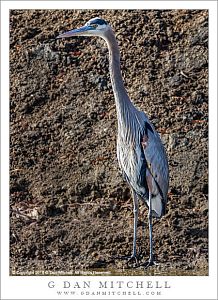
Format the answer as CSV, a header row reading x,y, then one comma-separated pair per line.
x,y
156,158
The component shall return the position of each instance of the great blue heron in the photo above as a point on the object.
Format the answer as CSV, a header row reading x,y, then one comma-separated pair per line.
x,y
140,152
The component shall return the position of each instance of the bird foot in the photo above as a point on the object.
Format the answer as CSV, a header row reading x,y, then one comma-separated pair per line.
x,y
134,259
149,263
130,259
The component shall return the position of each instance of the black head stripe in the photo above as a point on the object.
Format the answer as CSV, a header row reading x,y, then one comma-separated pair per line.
x,y
98,21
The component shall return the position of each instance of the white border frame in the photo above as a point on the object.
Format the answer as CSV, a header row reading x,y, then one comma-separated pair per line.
x,y
36,287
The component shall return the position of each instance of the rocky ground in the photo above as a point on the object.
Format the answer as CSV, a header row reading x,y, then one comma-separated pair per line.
x,y
70,207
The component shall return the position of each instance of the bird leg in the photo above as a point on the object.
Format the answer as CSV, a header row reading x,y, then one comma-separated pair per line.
x,y
151,261
133,257
150,229
135,211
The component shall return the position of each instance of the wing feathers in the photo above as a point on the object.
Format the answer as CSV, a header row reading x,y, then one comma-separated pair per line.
x,y
157,165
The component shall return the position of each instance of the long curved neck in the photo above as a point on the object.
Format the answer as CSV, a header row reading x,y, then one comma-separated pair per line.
x,y
123,104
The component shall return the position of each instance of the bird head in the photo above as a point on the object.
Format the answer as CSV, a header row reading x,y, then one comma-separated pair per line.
x,y
94,27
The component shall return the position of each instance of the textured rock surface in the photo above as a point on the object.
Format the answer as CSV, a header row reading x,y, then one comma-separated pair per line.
x,y
70,208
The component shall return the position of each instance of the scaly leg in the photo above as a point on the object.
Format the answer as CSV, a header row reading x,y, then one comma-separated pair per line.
x,y
151,261
133,257
136,212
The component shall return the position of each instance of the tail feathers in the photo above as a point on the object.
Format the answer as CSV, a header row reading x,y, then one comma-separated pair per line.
x,y
158,207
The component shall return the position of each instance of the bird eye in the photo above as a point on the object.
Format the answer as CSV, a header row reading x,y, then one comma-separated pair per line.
x,y
94,25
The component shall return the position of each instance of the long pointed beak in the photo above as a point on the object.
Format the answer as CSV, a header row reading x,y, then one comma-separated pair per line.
x,y
75,32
